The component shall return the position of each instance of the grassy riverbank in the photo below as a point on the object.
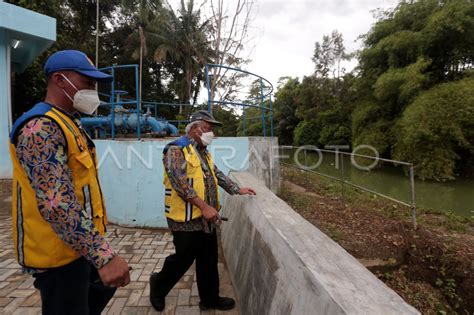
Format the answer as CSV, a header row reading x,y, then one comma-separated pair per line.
x,y
431,268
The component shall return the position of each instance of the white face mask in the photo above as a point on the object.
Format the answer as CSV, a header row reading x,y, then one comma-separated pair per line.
x,y
86,101
207,137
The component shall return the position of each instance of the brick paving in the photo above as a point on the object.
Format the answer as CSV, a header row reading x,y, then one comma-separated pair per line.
x,y
144,249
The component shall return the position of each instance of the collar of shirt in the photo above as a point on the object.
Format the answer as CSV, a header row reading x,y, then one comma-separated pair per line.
x,y
201,152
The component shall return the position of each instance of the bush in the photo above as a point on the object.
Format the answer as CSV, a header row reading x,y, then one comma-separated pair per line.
x,y
307,133
435,131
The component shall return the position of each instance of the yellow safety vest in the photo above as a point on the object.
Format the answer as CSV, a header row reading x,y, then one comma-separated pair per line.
x,y
36,243
176,208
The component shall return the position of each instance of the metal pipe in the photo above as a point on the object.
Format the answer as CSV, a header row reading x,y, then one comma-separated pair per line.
x,y
209,109
245,120
353,154
305,158
412,186
262,103
342,173
239,104
129,121
97,35
155,125
271,117
138,98
350,184
112,100
243,71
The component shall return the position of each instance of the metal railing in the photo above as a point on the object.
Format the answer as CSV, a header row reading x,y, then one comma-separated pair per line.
x,y
113,101
263,98
342,179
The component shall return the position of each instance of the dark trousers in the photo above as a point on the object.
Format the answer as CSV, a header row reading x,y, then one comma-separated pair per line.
x,y
191,246
73,289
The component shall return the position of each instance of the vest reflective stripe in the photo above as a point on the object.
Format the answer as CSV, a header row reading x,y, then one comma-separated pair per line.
x,y
36,243
87,200
19,223
189,207
176,208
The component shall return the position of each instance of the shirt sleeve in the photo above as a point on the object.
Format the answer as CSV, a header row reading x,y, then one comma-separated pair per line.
x,y
41,150
175,167
225,182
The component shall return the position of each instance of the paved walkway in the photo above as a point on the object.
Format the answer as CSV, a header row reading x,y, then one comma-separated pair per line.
x,y
144,249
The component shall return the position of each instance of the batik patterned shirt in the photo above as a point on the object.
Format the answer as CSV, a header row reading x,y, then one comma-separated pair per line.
x,y
41,150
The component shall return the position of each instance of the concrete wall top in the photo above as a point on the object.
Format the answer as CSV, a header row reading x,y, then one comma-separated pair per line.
x,y
282,264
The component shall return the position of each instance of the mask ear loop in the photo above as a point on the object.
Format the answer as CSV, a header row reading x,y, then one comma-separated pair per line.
x,y
64,91
69,82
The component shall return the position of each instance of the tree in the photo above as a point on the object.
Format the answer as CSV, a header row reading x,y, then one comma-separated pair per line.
x,y
228,37
329,54
324,100
228,118
183,39
251,120
436,131
408,57
286,103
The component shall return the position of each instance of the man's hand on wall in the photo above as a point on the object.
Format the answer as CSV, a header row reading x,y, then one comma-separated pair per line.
x,y
247,191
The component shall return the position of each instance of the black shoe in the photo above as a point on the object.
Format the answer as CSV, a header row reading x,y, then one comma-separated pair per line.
x,y
223,304
157,302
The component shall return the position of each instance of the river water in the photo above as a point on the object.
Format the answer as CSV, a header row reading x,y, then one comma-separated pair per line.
x,y
456,196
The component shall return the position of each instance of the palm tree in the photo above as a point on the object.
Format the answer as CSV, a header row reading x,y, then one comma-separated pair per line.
x,y
183,39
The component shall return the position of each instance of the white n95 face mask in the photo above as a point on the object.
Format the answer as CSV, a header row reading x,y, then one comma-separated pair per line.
x,y
207,137
85,101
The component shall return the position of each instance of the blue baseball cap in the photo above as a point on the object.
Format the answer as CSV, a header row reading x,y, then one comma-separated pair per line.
x,y
77,61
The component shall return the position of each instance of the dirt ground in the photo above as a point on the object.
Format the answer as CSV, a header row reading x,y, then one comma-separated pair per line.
x,y
431,267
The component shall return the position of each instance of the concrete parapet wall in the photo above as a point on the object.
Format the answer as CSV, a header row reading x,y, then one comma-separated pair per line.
x,y
282,264
264,162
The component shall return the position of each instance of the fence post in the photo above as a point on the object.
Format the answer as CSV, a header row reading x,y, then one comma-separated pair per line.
x,y
138,91
342,174
262,104
305,158
412,186
209,101
112,102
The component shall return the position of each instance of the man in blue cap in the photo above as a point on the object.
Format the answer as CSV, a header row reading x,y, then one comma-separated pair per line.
x,y
58,209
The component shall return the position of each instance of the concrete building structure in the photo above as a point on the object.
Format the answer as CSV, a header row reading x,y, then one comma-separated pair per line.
x,y
24,35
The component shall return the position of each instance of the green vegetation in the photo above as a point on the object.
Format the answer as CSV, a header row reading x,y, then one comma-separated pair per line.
x,y
411,96
432,267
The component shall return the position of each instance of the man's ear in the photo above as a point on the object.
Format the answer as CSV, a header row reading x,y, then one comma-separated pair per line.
x,y
58,79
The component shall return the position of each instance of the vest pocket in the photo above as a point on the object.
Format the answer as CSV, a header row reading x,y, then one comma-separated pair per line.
x,y
85,159
193,160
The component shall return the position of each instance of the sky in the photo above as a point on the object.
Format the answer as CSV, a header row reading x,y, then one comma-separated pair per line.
x,y
284,32
289,30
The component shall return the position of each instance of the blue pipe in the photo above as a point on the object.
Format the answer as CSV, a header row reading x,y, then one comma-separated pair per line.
x,y
155,125
94,122
128,122
172,130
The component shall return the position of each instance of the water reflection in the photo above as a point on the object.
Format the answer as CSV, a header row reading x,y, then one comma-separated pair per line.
x,y
456,196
